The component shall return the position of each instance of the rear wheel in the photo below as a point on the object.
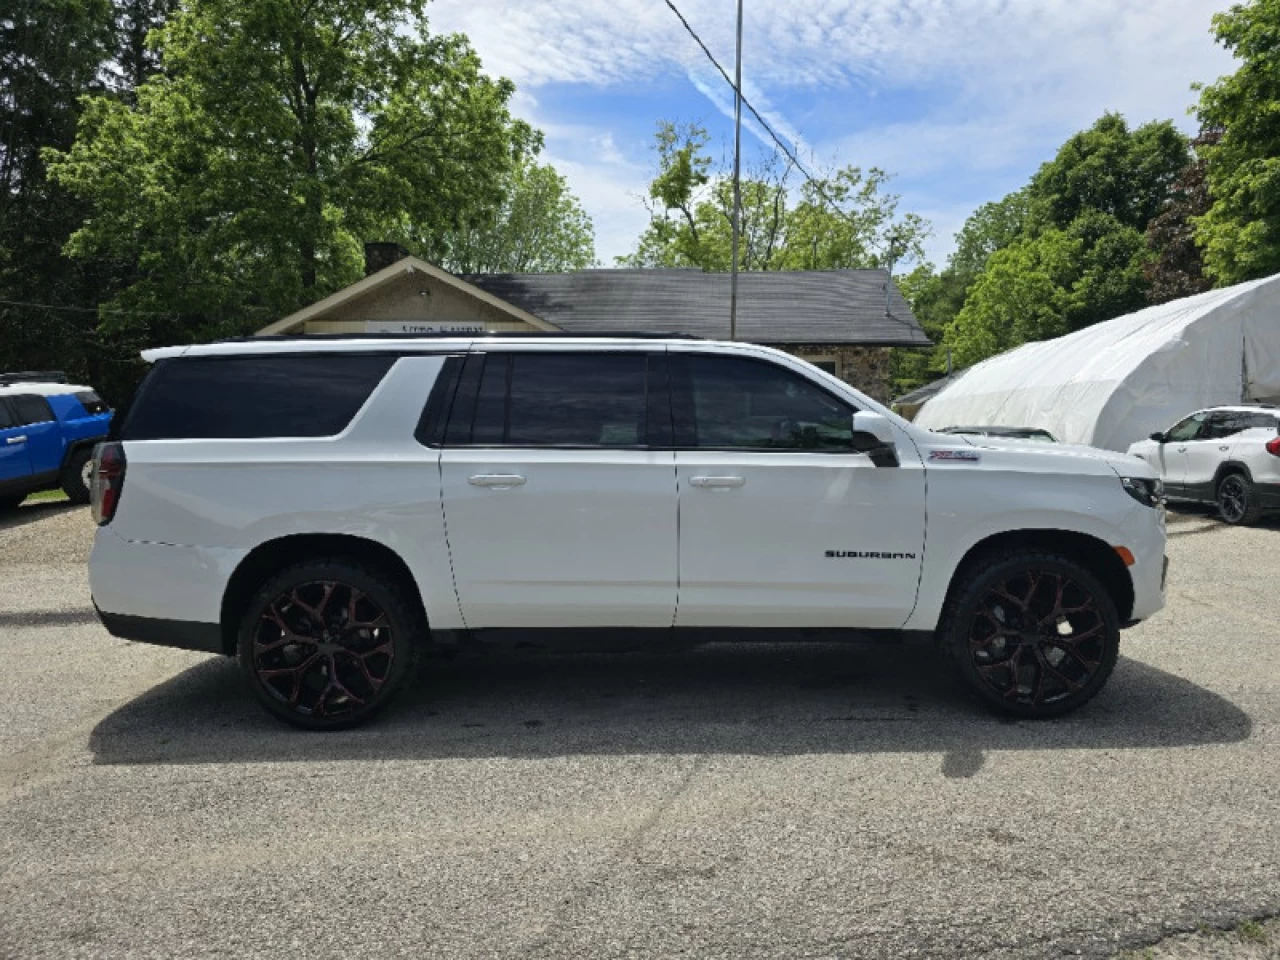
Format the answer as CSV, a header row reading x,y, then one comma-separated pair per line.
x,y
1033,634
77,475
327,644
1238,502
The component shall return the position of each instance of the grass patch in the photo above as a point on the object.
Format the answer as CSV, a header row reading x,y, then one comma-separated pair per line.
x,y
1253,931
47,496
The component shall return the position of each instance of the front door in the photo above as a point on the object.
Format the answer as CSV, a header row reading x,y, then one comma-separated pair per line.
x,y
782,524
1173,453
15,460
559,499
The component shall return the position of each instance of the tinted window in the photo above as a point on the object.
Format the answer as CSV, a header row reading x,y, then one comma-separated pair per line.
x,y
1188,429
6,418
553,400
30,408
749,404
312,395
91,402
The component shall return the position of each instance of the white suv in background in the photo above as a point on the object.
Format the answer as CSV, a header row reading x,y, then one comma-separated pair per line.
x,y
1228,456
322,506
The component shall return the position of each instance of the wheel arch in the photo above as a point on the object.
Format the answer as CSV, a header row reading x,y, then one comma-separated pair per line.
x,y
273,555
1095,555
75,446
1231,466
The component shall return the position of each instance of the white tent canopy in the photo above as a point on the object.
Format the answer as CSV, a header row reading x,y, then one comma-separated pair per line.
x,y
1116,382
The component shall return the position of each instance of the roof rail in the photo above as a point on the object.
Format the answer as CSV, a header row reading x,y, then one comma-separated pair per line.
x,y
33,376
570,334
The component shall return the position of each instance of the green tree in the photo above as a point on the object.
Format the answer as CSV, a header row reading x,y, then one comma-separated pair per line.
x,y
1176,266
992,227
278,135
539,228
845,220
1240,234
51,52
1127,174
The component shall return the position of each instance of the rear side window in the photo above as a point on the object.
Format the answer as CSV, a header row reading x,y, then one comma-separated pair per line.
x,y
306,395
92,403
29,408
560,400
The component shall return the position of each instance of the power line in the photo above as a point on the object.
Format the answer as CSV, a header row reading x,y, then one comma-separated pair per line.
x,y
787,151
70,309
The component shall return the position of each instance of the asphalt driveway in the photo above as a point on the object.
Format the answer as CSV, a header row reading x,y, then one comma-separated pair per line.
x,y
761,800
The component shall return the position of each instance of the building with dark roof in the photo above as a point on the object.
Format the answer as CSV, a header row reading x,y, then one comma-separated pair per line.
x,y
841,320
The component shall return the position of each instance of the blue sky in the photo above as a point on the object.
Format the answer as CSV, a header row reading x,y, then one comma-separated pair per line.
x,y
960,100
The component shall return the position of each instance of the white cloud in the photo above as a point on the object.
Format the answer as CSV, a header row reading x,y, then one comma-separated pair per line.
x,y
1002,82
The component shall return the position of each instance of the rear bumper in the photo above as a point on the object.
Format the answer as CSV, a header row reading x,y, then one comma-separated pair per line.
x,y
183,634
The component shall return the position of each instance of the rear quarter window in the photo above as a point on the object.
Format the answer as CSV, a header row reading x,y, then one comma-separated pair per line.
x,y
249,397
92,403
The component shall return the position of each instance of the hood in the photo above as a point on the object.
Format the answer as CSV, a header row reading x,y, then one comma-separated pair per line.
x,y
1068,457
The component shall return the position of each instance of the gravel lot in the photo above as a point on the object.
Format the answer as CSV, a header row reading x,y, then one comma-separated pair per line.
x,y
755,801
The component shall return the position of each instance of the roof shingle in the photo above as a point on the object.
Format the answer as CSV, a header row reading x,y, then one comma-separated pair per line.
x,y
830,306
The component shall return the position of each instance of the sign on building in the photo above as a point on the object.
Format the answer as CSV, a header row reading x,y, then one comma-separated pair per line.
x,y
410,326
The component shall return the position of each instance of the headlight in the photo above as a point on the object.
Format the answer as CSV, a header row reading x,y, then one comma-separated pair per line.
x,y
1149,493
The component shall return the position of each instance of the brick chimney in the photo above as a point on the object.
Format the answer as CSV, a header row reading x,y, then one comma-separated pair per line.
x,y
379,256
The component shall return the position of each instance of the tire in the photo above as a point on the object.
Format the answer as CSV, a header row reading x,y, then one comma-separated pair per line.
x,y
332,677
74,483
1238,502
1000,631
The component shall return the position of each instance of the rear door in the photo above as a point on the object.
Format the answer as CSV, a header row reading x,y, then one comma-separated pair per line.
x,y
15,463
782,522
559,489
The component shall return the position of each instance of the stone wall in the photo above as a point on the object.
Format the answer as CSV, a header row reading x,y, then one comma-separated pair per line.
x,y
866,368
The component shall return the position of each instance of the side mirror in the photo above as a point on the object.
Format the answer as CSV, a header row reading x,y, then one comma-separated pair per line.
x,y
873,435
1158,437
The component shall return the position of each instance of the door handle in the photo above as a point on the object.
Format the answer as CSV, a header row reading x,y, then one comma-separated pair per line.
x,y
500,481
1182,449
717,481
21,439
1224,449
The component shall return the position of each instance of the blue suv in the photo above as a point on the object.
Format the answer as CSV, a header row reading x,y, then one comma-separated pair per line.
x,y
48,429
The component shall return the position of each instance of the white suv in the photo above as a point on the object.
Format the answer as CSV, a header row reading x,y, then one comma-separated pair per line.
x,y
1229,456
321,506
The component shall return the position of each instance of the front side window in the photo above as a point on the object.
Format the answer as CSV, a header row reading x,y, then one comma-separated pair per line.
x,y
29,408
6,418
556,400
1188,429
744,404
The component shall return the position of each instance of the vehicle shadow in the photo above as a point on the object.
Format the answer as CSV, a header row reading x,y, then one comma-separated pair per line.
x,y
34,512
755,699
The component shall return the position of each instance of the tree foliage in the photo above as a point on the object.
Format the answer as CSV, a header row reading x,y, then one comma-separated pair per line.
x,y
1240,233
1176,266
277,137
540,227
844,220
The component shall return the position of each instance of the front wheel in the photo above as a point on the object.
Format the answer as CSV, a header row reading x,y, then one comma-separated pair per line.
x,y
1238,502
327,644
1032,634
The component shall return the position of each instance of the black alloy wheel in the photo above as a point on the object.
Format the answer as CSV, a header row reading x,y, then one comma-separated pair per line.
x,y
326,645
1035,635
1237,502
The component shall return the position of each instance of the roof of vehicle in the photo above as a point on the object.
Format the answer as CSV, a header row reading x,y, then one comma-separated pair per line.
x,y
1241,408
40,389
419,342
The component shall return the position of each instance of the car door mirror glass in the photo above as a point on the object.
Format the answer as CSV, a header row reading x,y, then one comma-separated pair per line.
x,y
1158,437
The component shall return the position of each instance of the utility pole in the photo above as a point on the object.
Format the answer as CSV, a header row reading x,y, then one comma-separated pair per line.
x,y
737,181
894,241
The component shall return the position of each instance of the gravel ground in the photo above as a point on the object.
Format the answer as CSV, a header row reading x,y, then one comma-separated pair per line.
x,y
763,800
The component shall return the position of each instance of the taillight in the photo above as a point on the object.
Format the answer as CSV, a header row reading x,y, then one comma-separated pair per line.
x,y
108,481
1273,446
